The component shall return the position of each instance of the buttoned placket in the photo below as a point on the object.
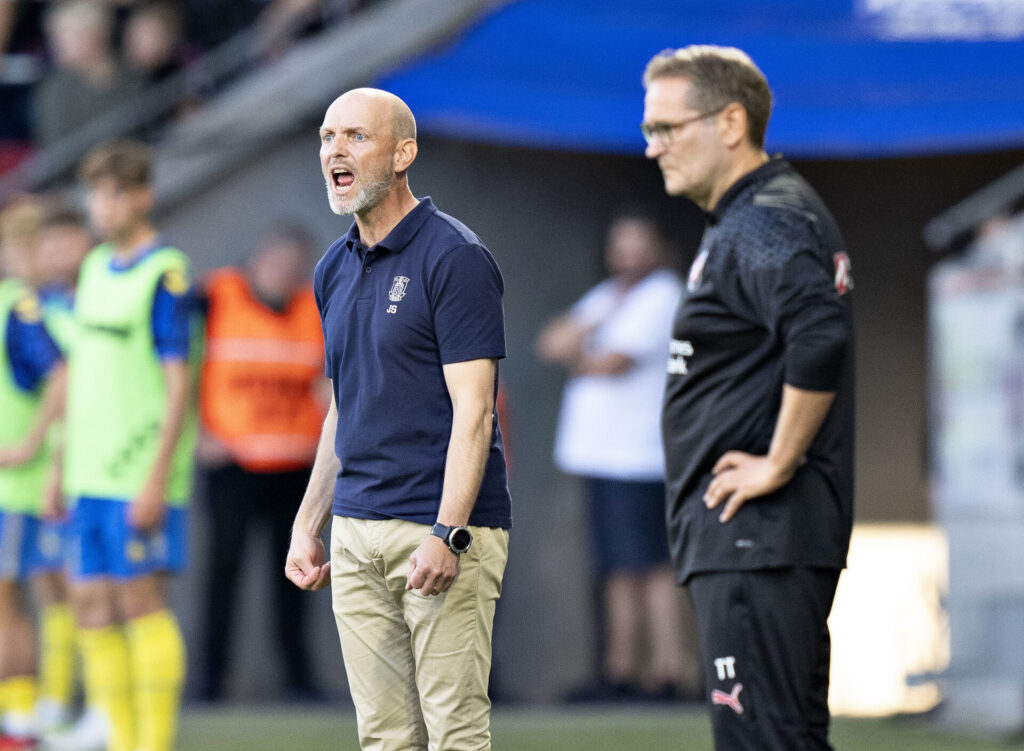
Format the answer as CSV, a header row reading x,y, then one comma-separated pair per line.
x,y
367,257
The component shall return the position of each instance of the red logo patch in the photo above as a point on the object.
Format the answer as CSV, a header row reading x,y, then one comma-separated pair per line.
x,y
731,700
844,279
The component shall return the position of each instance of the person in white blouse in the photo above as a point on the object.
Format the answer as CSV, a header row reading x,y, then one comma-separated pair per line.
x,y
614,343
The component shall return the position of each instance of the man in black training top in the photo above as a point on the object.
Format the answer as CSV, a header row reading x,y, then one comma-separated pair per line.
x,y
758,416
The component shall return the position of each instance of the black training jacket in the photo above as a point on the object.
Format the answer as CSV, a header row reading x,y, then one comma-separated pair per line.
x,y
767,303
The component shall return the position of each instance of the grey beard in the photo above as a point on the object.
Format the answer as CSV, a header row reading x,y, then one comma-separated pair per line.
x,y
366,199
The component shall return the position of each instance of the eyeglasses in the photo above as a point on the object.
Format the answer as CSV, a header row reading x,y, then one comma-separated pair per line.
x,y
662,132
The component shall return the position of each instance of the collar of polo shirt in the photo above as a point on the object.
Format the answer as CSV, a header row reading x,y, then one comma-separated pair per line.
x,y
403,232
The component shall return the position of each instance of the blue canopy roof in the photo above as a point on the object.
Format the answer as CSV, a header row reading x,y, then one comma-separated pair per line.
x,y
850,77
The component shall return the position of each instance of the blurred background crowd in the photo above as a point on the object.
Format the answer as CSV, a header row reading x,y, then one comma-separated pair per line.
x,y
65,64
230,92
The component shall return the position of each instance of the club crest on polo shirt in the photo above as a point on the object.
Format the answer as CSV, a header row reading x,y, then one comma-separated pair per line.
x,y
398,288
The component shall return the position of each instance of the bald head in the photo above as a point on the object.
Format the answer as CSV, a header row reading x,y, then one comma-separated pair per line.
x,y
367,144
384,105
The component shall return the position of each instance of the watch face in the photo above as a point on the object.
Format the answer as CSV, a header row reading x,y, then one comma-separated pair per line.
x,y
461,539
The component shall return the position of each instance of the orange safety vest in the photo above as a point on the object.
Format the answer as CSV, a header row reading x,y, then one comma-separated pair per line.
x,y
259,374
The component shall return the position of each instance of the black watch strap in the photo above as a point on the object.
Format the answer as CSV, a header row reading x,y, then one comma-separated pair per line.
x,y
463,537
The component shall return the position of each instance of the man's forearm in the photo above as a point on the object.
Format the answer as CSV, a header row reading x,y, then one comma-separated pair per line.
x,y
739,476
471,385
561,341
606,364
800,417
465,465
316,503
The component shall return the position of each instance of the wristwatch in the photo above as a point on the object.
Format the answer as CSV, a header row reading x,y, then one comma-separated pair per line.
x,y
458,539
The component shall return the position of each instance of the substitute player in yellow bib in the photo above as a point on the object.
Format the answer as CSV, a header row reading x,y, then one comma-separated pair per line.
x,y
64,241
130,436
32,376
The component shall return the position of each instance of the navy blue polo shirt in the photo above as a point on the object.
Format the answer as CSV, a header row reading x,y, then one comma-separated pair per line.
x,y
427,295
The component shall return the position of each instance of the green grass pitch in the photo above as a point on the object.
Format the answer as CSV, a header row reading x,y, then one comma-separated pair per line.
x,y
612,729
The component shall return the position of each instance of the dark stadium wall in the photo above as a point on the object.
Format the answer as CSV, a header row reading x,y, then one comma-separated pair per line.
x,y
543,216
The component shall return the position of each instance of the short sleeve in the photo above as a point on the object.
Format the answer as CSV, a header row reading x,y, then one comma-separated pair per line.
x,y
173,307
466,289
32,351
318,282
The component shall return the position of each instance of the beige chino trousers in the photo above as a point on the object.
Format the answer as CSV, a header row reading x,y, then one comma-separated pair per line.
x,y
417,666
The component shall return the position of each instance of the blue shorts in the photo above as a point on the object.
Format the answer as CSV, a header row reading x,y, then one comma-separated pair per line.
x,y
16,533
102,542
29,545
627,525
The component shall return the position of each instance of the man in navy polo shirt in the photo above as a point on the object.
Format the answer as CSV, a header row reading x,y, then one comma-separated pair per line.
x,y
410,463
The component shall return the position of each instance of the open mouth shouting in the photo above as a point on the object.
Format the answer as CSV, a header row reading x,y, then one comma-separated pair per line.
x,y
342,180
350,196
